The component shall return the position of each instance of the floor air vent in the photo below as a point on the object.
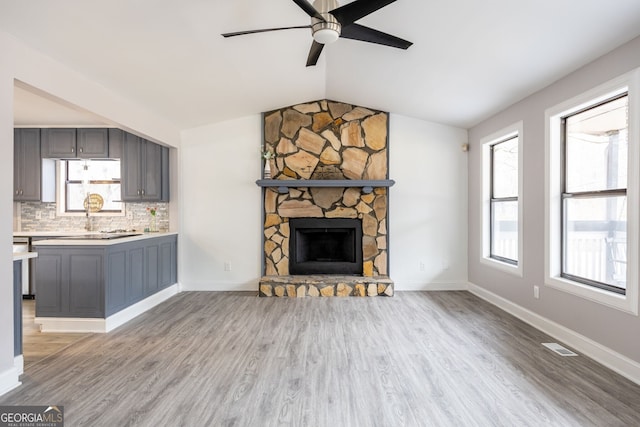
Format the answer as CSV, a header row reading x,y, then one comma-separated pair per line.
x,y
557,348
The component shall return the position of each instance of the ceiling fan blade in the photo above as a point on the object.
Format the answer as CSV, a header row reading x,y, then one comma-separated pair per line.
x,y
264,30
314,53
309,9
366,34
350,13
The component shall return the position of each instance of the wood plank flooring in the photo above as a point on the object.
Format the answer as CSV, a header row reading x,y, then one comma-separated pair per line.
x,y
417,359
37,346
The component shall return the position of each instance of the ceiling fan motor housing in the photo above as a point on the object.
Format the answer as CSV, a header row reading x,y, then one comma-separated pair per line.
x,y
329,31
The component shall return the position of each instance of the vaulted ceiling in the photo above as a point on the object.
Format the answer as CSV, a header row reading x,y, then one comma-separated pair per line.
x,y
469,60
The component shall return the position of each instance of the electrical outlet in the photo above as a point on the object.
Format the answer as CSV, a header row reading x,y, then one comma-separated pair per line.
x,y
422,267
38,215
536,292
227,266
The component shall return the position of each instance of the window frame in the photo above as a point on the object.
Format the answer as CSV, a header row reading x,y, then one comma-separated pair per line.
x,y
628,83
515,130
61,194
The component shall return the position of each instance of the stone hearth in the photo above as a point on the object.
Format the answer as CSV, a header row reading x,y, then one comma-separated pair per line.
x,y
325,286
326,140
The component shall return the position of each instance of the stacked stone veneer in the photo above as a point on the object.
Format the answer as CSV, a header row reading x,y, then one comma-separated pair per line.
x,y
326,140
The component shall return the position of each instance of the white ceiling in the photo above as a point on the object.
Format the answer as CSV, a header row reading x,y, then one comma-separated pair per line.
x,y
470,58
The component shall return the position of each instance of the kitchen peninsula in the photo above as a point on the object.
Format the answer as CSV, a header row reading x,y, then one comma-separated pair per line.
x,y
96,282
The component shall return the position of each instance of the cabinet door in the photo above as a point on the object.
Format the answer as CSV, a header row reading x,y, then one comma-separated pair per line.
x,y
116,141
116,283
168,263
17,307
27,167
86,284
151,262
48,280
165,175
93,143
130,169
135,275
59,143
151,169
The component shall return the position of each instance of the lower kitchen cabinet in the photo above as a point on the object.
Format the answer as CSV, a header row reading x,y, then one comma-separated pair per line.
x,y
93,281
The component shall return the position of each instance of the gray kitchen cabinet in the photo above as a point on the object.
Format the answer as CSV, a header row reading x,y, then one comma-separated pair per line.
x,y
27,168
116,292
86,283
135,274
69,282
116,141
167,268
59,143
93,143
145,171
152,266
97,281
72,143
17,307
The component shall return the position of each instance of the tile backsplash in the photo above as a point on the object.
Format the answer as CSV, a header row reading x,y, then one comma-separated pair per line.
x,y
37,216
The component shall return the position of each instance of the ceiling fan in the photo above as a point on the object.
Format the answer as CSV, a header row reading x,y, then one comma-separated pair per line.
x,y
329,22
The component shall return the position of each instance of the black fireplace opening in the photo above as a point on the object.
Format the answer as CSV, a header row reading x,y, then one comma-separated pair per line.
x,y
325,246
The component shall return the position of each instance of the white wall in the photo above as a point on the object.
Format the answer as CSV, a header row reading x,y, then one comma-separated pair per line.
x,y
428,205
22,63
593,324
222,205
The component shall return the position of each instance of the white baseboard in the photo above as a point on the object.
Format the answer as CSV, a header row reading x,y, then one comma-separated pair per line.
x,y
421,286
123,316
9,380
71,324
18,363
220,286
617,362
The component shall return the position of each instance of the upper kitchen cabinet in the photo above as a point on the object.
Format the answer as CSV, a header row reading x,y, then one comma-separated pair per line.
x,y
67,143
116,141
93,143
145,170
27,170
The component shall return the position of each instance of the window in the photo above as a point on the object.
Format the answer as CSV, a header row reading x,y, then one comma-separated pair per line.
x,y
591,224
96,177
594,195
502,201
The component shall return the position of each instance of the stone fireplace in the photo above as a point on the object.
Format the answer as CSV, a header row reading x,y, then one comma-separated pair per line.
x,y
326,201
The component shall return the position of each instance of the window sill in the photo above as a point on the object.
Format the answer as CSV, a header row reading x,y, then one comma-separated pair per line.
x,y
505,267
626,303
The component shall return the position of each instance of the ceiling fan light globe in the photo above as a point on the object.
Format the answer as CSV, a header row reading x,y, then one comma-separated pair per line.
x,y
326,35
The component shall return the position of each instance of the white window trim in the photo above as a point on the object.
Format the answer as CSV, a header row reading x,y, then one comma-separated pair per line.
x,y
508,132
630,83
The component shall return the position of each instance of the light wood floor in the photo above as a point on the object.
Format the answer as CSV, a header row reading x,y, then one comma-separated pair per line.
x,y
417,359
37,346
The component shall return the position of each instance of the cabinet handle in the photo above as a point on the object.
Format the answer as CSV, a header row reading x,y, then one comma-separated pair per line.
x,y
80,149
142,192
17,192
21,192
73,150
138,192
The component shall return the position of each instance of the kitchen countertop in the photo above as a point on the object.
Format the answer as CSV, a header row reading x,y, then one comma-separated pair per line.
x,y
75,239
57,233
18,256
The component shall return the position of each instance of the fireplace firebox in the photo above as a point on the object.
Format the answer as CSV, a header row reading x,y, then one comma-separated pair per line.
x,y
325,246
